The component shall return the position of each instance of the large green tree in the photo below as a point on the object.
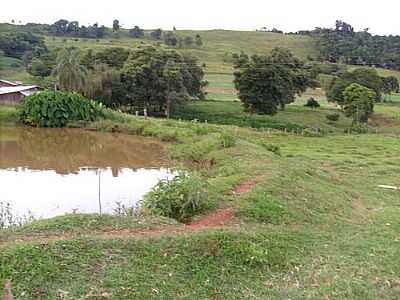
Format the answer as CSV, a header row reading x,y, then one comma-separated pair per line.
x,y
390,85
16,44
266,83
70,74
363,76
358,102
116,25
155,77
136,32
38,68
156,34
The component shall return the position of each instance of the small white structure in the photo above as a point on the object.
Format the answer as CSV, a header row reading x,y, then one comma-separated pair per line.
x,y
14,92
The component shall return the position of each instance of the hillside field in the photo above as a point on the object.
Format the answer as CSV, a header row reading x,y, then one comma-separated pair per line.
x,y
311,217
315,224
218,46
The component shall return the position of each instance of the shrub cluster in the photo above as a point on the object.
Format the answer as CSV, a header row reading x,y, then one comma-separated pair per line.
x,y
56,109
227,140
311,132
180,198
312,103
333,117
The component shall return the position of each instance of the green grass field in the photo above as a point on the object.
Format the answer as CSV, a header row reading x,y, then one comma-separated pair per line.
x,y
218,44
316,226
293,117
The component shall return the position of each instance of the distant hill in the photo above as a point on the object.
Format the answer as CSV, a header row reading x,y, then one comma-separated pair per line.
x,y
218,45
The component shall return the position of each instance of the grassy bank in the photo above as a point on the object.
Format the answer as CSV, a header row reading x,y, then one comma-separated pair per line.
x,y
315,226
292,118
218,45
8,115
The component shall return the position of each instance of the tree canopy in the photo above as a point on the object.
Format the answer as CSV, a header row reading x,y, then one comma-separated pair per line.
x,y
136,32
66,28
70,74
267,82
16,44
116,25
155,77
367,77
358,102
343,44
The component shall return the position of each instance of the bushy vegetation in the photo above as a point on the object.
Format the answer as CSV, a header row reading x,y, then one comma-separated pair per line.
x,y
342,44
362,76
180,198
17,43
358,102
64,27
159,79
266,83
312,103
56,109
333,117
294,118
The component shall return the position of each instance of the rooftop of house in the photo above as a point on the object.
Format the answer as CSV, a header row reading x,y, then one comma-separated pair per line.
x,y
10,82
15,89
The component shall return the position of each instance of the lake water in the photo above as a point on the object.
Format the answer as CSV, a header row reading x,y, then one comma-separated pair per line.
x,y
50,172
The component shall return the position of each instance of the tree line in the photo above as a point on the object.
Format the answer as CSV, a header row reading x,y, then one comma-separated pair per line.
x,y
342,44
72,29
148,77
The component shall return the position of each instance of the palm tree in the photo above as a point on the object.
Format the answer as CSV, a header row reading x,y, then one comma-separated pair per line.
x,y
71,75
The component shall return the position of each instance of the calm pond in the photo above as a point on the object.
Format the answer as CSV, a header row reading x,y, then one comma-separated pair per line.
x,y
50,172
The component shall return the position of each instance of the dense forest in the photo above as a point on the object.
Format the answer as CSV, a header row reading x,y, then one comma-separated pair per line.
x,y
343,44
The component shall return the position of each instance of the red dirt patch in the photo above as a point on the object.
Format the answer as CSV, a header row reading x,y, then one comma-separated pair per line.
x,y
215,219
246,186
221,218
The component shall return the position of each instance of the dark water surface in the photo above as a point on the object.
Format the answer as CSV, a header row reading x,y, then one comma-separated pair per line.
x,y
50,172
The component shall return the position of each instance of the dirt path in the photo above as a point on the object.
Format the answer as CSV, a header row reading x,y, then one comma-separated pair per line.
x,y
220,219
247,186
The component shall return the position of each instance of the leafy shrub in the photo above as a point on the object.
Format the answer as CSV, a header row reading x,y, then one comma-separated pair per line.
x,y
180,198
56,109
310,132
198,150
357,129
312,103
217,117
333,117
227,140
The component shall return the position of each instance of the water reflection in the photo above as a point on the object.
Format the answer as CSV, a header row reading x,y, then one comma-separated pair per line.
x,y
49,172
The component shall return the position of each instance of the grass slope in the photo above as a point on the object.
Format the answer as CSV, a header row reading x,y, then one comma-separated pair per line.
x,y
218,44
295,116
317,226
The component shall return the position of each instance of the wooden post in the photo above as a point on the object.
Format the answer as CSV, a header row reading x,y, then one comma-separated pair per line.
x,y
100,209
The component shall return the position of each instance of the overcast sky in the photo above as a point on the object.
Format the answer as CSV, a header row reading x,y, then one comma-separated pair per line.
x,y
382,17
